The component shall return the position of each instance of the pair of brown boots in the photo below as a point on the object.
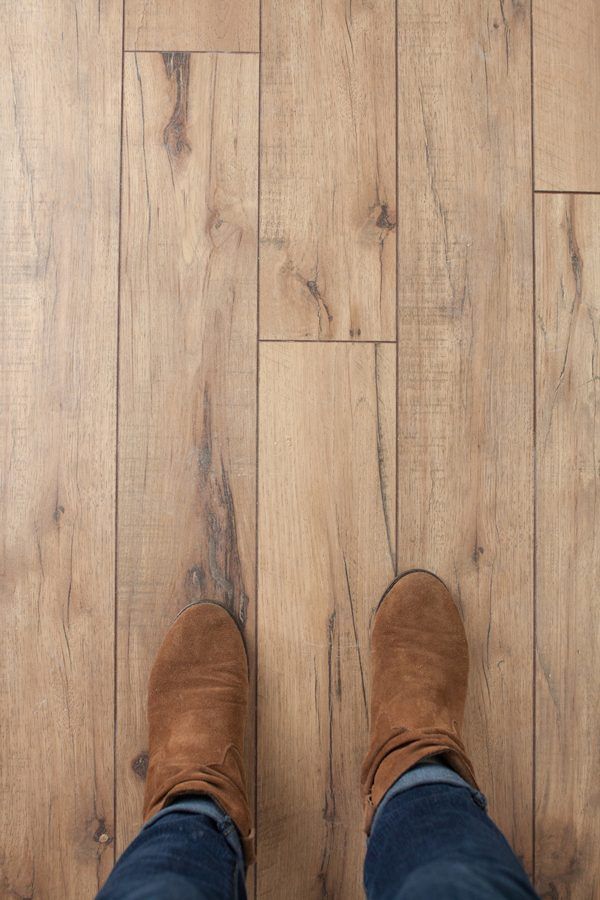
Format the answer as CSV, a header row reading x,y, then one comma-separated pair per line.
x,y
198,698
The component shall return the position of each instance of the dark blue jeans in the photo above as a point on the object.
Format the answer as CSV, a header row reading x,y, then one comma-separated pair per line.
x,y
188,851
431,838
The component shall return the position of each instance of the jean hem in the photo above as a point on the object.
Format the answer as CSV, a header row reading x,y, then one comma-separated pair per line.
x,y
205,805
427,772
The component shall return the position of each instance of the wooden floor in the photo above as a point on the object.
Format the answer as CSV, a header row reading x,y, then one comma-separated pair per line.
x,y
295,296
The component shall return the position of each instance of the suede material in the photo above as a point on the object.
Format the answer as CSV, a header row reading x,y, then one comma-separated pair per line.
x,y
197,708
420,668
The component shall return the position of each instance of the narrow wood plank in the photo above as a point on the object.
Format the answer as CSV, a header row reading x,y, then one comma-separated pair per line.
x,y
59,118
326,539
187,399
466,360
223,25
567,94
328,192
568,546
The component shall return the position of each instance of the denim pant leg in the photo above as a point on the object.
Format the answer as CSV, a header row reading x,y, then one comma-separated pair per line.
x,y
189,851
432,838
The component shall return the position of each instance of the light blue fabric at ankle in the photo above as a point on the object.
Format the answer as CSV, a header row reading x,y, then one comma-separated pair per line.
x,y
204,805
428,771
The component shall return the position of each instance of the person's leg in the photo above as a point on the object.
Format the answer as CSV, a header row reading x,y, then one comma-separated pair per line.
x,y
431,837
198,833
189,851
429,833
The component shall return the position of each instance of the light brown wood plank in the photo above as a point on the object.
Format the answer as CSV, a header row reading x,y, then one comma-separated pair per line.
x,y
59,207
328,192
568,546
187,399
465,361
231,25
326,539
567,94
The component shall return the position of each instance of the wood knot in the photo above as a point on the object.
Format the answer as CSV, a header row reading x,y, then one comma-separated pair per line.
x,y
383,221
177,66
101,835
476,554
140,765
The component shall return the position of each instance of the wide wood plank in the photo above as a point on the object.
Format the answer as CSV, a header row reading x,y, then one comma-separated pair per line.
x,y
568,546
328,191
567,94
187,397
465,360
326,552
192,25
59,118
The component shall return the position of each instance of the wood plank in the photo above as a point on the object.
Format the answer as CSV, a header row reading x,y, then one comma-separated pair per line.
x,y
60,122
328,191
568,546
187,400
326,539
567,94
465,361
224,25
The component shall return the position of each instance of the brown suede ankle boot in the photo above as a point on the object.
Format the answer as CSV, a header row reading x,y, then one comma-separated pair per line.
x,y
420,666
197,706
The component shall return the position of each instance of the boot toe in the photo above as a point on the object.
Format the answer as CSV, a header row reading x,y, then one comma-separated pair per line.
x,y
418,600
204,634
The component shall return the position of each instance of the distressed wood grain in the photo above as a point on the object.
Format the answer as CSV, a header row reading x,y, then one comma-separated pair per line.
x,y
60,117
567,94
326,552
465,358
224,25
568,546
328,191
187,386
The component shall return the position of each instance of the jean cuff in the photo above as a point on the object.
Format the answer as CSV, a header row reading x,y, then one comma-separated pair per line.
x,y
427,772
204,805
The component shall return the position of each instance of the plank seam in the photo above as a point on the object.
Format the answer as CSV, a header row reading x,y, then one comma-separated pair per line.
x,y
210,52
319,341
117,394
534,460
397,288
574,193
257,411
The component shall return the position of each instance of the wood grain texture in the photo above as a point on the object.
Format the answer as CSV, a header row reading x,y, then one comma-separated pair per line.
x,y
568,546
326,552
170,25
465,359
328,193
187,433
60,117
567,94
